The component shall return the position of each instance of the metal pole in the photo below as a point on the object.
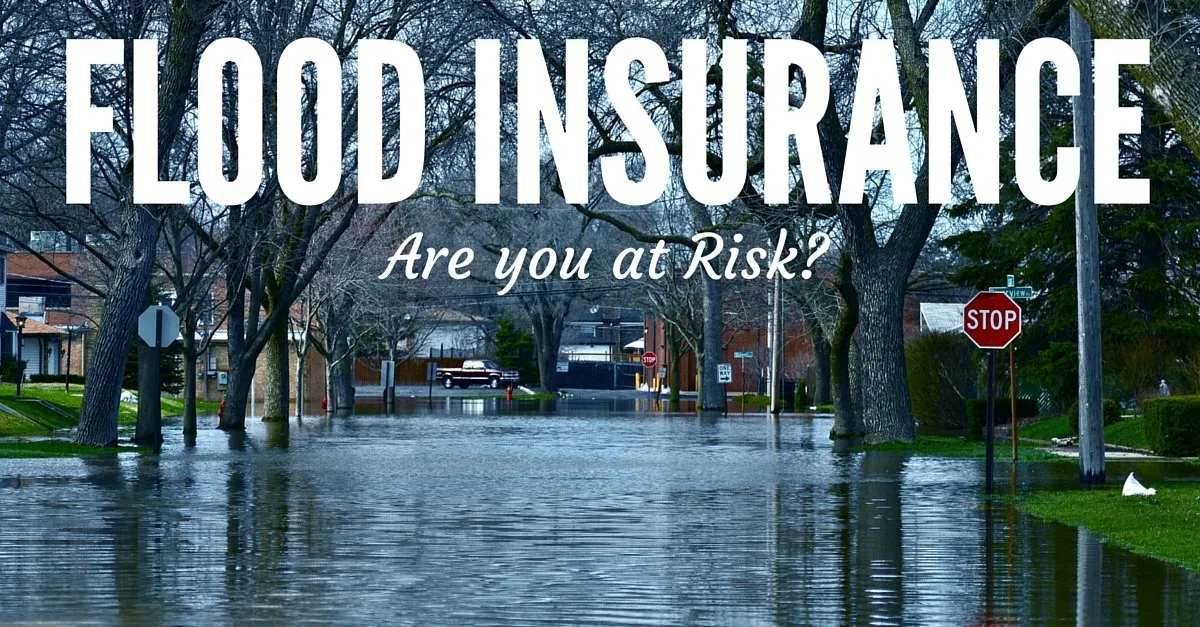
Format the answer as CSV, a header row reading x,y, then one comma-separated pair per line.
x,y
989,435
67,379
20,354
776,348
1012,396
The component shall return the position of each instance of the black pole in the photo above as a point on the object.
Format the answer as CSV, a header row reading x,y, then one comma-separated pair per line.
x,y
20,354
149,417
431,378
67,379
989,436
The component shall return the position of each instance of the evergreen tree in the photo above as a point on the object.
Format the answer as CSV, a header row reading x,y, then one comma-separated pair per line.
x,y
515,349
1148,262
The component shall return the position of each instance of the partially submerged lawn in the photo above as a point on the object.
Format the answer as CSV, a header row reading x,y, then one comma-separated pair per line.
x,y
68,405
58,448
1162,526
1130,432
947,446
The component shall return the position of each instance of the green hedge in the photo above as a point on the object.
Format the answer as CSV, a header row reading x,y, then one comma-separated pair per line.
x,y
10,369
942,371
800,397
1112,414
977,413
1173,425
54,378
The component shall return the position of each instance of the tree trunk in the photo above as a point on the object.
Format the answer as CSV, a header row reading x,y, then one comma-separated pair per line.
x,y
821,356
341,377
189,373
237,394
276,376
130,278
547,339
301,380
886,412
712,391
673,370
822,391
845,418
118,323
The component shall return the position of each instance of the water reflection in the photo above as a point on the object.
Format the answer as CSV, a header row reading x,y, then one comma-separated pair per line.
x,y
452,517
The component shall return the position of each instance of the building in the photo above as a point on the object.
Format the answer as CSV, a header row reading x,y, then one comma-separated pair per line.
x,y
604,333
41,345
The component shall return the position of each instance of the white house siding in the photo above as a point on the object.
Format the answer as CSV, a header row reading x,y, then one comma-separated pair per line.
x,y
462,338
31,352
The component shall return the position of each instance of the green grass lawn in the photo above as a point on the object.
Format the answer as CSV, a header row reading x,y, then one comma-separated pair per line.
x,y
1161,526
1046,428
70,403
750,401
945,446
58,448
517,396
1129,432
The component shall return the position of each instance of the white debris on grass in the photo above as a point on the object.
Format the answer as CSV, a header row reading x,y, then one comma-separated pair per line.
x,y
1133,487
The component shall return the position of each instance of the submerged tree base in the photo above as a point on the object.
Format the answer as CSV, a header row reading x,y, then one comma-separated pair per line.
x,y
1162,526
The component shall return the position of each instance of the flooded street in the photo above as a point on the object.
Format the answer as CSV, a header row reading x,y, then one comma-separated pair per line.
x,y
467,515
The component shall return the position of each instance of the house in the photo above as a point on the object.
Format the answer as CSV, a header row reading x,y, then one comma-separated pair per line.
x,y
941,317
40,345
604,333
449,333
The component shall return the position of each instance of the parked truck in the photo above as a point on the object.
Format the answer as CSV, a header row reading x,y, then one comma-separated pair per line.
x,y
478,372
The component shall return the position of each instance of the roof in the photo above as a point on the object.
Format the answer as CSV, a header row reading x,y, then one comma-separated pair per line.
x,y
941,317
33,327
602,314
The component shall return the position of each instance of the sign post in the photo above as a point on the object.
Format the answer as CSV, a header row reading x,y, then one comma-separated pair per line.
x,y
1016,293
430,374
158,327
387,380
742,356
992,320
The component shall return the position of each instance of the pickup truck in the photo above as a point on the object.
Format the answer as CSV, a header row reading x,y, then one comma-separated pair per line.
x,y
477,372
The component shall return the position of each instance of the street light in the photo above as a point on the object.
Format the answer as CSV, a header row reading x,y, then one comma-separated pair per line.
x,y
20,350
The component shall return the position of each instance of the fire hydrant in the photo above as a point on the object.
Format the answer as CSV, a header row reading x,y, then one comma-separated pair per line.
x,y
508,393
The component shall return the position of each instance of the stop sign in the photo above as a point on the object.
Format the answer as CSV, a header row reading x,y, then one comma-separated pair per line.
x,y
649,359
992,320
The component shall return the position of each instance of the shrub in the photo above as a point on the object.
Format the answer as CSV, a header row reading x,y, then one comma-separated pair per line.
x,y
1173,425
977,413
10,369
54,378
941,373
1112,414
800,397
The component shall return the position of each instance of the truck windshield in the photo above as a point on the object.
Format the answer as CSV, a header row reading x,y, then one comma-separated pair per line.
x,y
491,365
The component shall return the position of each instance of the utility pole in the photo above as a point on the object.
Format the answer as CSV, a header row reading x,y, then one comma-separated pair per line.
x,y
1087,265
777,347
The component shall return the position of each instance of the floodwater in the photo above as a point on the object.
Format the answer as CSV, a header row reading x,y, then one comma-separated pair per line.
x,y
469,513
